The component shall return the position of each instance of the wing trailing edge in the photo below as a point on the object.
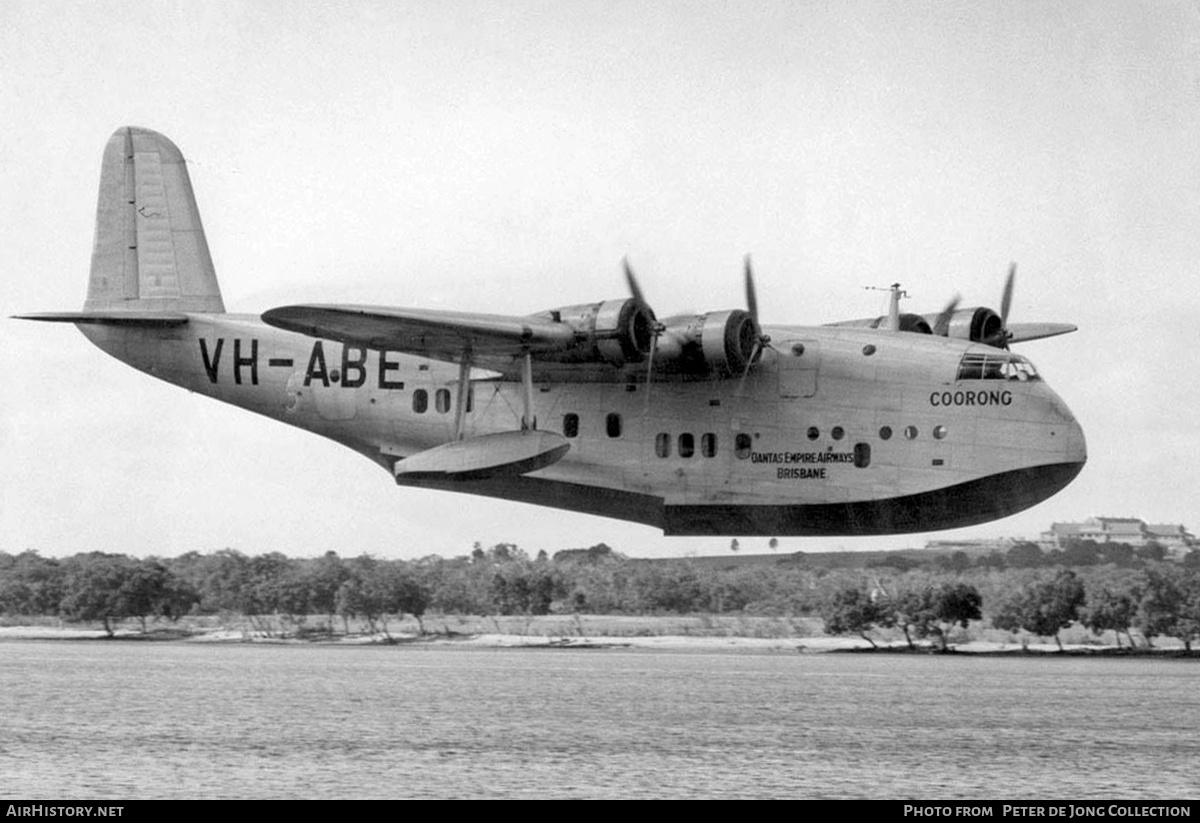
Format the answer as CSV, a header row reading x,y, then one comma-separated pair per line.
x,y
443,335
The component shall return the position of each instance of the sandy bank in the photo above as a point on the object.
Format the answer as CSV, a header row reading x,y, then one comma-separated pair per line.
x,y
665,642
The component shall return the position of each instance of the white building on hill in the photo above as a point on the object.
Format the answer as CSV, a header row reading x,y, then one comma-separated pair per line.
x,y
1176,539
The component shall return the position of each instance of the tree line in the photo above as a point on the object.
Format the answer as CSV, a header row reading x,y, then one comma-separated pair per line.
x,y
1159,600
924,601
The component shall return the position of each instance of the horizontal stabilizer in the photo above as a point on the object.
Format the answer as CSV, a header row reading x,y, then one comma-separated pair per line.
x,y
1020,332
153,319
491,455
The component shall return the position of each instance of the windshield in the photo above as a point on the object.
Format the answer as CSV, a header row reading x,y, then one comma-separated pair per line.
x,y
998,366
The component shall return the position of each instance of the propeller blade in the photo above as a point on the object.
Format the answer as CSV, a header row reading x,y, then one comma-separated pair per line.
x,y
656,328
751,297
755,353
634,288
650,371
1006,300
761,341
941,326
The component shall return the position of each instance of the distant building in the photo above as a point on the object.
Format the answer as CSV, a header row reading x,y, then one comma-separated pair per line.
x,y
974,547
1176,539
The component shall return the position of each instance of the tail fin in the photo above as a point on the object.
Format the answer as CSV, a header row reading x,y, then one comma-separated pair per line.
x,y
150,254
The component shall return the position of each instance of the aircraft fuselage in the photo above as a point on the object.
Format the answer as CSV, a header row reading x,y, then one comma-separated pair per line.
x,y
835,430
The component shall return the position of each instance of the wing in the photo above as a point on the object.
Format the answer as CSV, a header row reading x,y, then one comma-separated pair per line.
x,y
1020,332
442,335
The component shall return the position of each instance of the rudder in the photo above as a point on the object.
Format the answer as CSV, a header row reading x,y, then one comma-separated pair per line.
x,y
150,253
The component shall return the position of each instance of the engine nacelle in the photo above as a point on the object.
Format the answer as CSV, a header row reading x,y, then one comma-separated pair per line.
x,y
615,331
720,342
979,325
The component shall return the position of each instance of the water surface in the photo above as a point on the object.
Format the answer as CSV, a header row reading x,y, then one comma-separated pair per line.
x,y
128,720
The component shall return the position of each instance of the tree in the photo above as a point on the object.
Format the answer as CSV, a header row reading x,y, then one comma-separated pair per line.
x,y
1153,551
323,577
1081,553
1109,610
1170,604
953,604
1025,555
1044,609
1119,554
149,589
957,561
934,609
852,611
93,588
30,584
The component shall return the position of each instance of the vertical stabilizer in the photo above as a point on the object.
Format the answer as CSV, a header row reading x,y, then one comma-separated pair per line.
x,y
149,253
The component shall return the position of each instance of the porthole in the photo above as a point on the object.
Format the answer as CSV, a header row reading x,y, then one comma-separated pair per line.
x,y
939,432
885,433
612,424
335,376
797,349
570,425
741,446
441,401
862,455
868,350
662,444
813,432
708,444
687,444
910,432
838,432
420,401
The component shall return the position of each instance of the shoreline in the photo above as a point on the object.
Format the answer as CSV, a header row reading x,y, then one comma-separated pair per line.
x,y
660,642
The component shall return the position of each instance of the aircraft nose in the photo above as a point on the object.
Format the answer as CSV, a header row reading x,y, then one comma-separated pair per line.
x,y
1074,444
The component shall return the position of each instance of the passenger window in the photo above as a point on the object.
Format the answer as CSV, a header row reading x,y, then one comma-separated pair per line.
x,y
420,401
741,446
885,433
862,455
612,424
570,425
662,444
910,432
939,432
441,401
838,432
708,444
687,445
813,432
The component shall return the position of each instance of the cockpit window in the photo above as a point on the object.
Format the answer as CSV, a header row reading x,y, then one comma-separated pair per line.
x,y
998,366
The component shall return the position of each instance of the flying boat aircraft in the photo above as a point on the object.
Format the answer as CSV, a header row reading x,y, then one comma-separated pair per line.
x,y
698,424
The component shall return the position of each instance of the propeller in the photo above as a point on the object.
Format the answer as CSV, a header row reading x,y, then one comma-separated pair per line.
x,y
762,341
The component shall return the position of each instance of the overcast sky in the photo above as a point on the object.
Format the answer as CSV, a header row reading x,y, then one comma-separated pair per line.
x,y
504,156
